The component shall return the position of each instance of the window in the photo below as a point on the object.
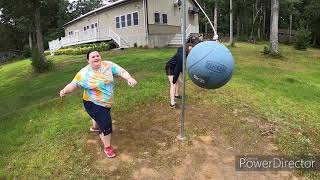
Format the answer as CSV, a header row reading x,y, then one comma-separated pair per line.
x,y
129,20
117,22
87,27
92,26
156,17
95,24
135,18
123,21
84,28
160,18
164,19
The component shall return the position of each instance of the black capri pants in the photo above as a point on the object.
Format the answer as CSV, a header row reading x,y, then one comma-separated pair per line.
x,y
101,115
169,70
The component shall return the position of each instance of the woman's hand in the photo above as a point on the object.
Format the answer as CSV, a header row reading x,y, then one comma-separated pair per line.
x,y
132,82
68,89
62,93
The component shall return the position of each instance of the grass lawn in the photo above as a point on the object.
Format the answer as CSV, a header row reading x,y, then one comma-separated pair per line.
x,y
43,136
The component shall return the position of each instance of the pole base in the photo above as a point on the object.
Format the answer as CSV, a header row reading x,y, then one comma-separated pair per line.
x,y
180,138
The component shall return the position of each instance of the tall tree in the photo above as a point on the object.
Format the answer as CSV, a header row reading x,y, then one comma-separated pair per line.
x,y
66,11
215,17
27,14
231,25
11,37
61,15
289,12
39,37
312,14
81,7
274,43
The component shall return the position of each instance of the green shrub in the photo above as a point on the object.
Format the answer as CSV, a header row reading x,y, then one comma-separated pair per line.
x,y
266,50
81,49
112,45
242,38
302,39
26,52
46,53
40,64
103,47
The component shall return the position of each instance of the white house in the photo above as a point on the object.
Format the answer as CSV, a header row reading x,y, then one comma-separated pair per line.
x,y
154,23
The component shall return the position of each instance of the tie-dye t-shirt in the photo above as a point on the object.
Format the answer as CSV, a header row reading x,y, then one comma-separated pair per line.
x,y
98,85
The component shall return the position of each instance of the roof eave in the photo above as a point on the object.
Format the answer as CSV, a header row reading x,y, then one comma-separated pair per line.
x,y
95,11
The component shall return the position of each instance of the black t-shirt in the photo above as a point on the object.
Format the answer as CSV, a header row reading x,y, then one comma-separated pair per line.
x,y
176,64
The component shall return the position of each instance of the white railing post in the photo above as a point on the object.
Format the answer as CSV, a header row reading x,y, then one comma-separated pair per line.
x,y
188,31
115,36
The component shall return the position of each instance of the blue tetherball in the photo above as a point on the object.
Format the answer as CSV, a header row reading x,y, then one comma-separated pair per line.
x,y
210,64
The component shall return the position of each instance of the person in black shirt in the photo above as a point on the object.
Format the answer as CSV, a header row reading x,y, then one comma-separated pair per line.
x,y
173,69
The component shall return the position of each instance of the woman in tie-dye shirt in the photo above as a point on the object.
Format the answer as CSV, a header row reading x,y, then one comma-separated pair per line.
x,y
97,81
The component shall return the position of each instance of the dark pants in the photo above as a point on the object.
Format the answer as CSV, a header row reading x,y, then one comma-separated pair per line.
x,y
101,115
169,70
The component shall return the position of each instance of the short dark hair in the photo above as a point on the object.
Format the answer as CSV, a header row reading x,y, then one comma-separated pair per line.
x,y
194,40
90,51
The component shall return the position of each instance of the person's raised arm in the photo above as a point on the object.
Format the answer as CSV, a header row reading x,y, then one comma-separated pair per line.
x,y
119,71
131,81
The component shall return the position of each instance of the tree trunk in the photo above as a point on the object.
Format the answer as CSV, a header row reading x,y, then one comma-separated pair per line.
x,y
39,33
206,29
238,27
30,40
215,19
252,25
242,29
274,27
264,22
260,23
205,24
231,25
314,40
290,29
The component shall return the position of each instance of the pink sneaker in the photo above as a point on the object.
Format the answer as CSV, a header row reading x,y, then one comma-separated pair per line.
x,y
93,129
109,152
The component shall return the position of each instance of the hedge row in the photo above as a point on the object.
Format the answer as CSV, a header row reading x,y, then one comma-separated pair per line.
x,y
80,50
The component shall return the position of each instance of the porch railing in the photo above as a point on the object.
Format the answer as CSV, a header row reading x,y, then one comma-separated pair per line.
x,y
91,35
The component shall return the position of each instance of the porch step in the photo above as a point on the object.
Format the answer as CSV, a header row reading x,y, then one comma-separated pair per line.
x,y
124,44
174,45
176,40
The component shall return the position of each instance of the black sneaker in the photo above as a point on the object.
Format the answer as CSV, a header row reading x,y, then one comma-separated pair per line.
x,y
178,97
172,106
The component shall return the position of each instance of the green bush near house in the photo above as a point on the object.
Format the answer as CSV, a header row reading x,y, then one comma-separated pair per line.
x,y
81,49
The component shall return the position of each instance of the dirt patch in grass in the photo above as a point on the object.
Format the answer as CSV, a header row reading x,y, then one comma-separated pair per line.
x,y
147,148
316,54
